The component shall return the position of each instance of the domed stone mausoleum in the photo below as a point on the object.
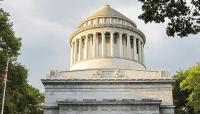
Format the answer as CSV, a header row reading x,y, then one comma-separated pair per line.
x,y
107,72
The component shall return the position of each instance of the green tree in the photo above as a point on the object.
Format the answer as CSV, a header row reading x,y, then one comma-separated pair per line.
x,y
186,91
192,84
182,16
21,98
181,96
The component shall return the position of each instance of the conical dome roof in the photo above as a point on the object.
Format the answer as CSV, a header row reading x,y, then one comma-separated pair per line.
x,y
107,11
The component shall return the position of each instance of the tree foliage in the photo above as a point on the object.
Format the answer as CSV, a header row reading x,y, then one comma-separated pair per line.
x,y
187,91
181,96
10,44
182,16
21,98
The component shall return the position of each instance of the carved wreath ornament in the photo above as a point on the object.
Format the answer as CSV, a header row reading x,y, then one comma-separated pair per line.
x,y
97,75
116,74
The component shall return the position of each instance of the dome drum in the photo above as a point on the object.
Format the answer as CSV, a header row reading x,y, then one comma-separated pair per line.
x,y
107,44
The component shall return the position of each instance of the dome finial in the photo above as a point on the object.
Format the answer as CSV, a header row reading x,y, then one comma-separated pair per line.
x,y
107,5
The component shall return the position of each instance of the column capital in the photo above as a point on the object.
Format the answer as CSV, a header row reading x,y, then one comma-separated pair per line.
x,y
103,32
128,35
112,32
142,42
94,34
121,33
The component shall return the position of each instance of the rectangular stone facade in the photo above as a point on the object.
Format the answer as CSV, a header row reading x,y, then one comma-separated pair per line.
x,y
61,88
109,109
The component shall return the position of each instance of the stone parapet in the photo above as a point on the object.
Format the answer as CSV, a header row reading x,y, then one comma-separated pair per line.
x,y
113,74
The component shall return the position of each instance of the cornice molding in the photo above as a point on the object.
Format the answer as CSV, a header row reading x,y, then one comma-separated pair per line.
x,y
92,81
108,26
110,102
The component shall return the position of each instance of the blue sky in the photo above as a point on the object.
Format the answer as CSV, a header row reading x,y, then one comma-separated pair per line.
x,y
45,27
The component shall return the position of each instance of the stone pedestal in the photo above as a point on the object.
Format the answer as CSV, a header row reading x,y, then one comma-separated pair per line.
x,y
110,91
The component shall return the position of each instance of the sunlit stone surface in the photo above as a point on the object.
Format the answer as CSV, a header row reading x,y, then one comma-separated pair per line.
x,y
107,73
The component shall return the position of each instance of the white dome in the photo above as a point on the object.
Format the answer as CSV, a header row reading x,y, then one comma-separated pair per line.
x,y
107,39
107,11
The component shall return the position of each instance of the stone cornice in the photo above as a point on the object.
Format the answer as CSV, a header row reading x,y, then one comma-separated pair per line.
x,y
110,102
96,81
51,107
107,69
167,106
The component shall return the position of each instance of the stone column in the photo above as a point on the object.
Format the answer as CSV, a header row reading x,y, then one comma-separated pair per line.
x,y
72,53
134,49
139,55
79,50
128,46
120,45
103,44
94,45
142,52
112,44
75,51
86,47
